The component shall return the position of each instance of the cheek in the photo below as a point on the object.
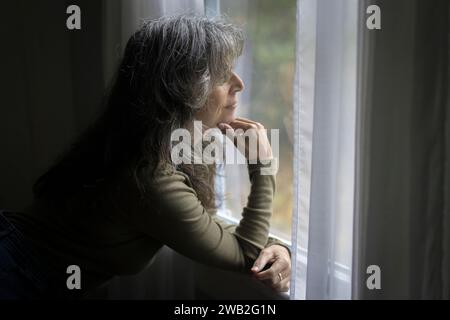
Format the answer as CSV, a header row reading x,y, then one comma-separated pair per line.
x,y
214,114
216,107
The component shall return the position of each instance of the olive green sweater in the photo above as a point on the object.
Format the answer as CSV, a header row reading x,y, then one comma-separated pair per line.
x,y
120,232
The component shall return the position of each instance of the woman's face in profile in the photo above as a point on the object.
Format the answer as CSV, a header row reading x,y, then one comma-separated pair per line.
x,y
222,103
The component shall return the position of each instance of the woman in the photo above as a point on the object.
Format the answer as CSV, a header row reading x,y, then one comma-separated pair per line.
x,y
115,197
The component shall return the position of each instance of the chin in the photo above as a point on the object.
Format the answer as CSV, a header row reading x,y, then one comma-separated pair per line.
x,y
229,118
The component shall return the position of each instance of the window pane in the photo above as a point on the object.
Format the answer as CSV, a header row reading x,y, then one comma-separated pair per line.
x,y
267,67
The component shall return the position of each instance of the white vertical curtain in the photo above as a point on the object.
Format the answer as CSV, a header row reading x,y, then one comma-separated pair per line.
x,y
325,112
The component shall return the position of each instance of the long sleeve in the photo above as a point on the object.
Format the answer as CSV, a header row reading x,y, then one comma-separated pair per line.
x,y
174,216
232,227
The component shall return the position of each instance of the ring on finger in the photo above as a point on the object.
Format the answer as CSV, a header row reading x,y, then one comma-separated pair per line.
x,y
280,276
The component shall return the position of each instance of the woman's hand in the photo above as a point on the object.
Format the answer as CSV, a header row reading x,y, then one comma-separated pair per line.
x,y
256,146
278,276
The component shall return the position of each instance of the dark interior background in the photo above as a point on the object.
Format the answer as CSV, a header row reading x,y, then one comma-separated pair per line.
x,y
53,83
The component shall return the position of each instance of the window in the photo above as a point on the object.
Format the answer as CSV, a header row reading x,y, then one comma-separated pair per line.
x,y
267,68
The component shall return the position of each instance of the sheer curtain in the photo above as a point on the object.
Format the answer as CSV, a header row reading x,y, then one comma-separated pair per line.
x,y
324,129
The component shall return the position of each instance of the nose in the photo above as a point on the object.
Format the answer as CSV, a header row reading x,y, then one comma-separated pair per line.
x,y
237,83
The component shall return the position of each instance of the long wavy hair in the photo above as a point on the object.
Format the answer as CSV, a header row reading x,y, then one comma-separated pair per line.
x,y
168,70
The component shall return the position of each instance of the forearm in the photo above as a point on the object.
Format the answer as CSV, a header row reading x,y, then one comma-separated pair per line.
x,y
254,226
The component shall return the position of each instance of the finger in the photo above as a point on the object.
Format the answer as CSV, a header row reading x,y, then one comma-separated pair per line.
x,y
272,274
264,257
259,125
279,271
243,128
238,124
224,126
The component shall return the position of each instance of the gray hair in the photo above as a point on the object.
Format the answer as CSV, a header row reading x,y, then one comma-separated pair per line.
x,y
186,56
